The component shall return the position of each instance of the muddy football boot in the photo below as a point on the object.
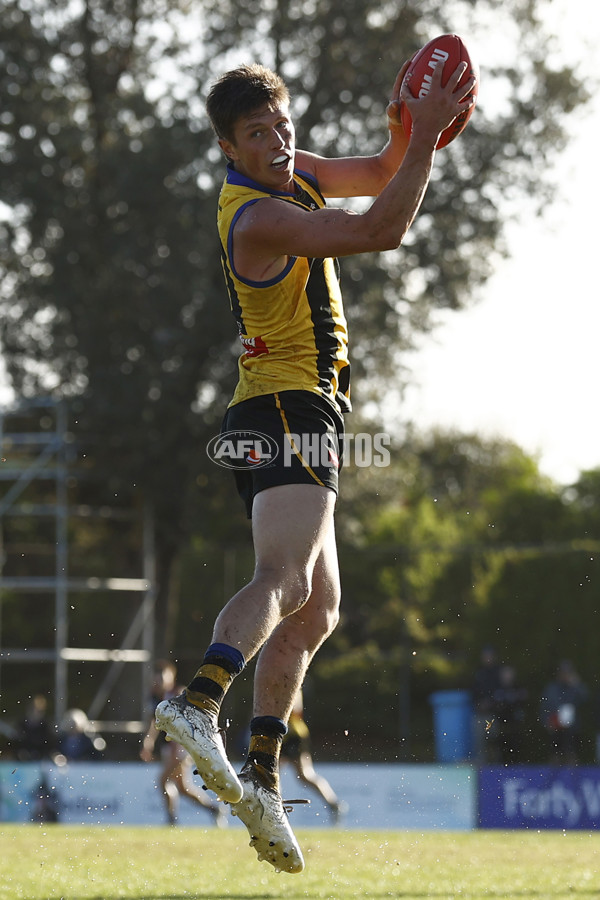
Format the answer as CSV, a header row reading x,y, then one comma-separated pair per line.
x,y
261,809
198,732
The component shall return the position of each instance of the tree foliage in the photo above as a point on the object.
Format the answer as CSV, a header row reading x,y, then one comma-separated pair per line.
x,y
111,291
469,545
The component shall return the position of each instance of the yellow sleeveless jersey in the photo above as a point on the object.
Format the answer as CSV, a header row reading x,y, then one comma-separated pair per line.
x,y
292,327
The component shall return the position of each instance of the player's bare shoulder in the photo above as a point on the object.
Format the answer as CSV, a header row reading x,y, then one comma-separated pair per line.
x,y
260,222
259,252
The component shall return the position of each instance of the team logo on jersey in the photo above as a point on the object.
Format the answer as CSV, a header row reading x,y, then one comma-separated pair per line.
x,y
254,346
242,450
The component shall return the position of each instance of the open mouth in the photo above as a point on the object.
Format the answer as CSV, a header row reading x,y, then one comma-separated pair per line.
x,y
280,161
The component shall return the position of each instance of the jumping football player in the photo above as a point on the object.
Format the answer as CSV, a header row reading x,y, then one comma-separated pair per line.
x,y
279,244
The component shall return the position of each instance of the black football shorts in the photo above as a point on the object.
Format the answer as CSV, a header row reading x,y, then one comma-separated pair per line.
x,y
290,437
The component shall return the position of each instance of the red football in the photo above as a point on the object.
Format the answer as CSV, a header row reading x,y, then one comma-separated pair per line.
x,y
449,50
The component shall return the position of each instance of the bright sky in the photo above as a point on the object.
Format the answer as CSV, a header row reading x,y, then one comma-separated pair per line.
x,y
524,363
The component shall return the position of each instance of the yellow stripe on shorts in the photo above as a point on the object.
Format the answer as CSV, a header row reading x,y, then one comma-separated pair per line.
x,y
293,444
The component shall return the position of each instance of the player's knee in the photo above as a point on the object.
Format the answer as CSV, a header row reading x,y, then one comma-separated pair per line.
x,y
332,620
288,585
324,610
322,623
325,625
298,591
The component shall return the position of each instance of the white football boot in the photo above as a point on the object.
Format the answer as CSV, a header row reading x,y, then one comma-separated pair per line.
x,y
262,811
198,731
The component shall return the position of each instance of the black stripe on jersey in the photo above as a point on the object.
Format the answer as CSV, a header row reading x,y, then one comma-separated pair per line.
x,y
304,199
234,302
323,323
311,181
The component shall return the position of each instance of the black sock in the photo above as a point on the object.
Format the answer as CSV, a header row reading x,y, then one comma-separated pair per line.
x,y
266,736
213,679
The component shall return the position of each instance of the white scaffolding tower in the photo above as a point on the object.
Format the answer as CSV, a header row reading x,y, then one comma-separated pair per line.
x,y
47,454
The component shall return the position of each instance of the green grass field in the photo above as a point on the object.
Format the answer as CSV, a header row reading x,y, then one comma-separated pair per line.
x,y
41,862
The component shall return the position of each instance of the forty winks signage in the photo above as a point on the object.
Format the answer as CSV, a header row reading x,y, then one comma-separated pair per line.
x,y
539,797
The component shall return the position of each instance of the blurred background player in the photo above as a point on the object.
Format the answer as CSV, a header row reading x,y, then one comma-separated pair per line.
x,y
176,762
35,736
296,751
486,681
508,717
560,714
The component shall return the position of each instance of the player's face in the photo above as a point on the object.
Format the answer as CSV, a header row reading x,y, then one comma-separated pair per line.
x,y
263,147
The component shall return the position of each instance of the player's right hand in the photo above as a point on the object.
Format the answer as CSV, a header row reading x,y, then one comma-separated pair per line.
x,y
435,111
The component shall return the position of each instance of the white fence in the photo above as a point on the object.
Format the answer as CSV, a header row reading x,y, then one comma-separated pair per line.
x,y
377,795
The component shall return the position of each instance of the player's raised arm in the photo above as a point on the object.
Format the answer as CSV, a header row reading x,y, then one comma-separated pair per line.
x,y
270,230
362,176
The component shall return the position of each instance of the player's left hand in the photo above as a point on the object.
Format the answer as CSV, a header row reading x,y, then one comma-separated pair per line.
x,y
393,107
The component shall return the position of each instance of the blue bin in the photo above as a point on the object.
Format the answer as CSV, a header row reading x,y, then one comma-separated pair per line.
x,y
452,725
